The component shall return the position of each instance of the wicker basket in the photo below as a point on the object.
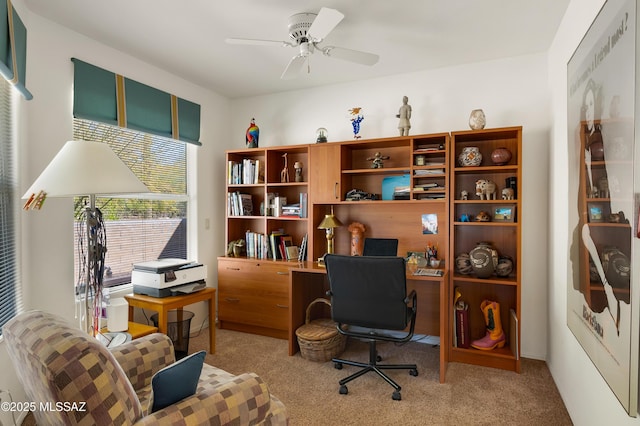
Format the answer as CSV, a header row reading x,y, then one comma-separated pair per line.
x,y
319,339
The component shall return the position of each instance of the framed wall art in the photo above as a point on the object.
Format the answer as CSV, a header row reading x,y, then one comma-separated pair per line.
x,y
602,289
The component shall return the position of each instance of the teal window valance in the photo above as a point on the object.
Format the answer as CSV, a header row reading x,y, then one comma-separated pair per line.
x,y
104,96
13,48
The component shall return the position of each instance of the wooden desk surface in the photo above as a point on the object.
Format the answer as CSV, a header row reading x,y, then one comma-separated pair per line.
x,y
162,305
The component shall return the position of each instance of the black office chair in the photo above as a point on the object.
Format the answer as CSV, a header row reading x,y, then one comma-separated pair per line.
x,y
380,247
369,296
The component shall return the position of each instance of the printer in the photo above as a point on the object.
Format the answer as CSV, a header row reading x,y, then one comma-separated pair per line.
x,y
168,277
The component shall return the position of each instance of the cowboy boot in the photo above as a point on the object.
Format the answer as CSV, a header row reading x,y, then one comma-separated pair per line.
x,y
495,336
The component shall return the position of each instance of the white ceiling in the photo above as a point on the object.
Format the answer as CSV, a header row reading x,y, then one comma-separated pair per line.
x,y
187,37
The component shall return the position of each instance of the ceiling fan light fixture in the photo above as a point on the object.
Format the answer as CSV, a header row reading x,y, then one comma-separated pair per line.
x,y
299,25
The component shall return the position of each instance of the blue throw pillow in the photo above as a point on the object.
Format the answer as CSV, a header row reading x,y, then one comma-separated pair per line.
x,y
177,381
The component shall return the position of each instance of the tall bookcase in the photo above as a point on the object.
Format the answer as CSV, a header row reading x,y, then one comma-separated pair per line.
x,y
424,174
258,174
503,233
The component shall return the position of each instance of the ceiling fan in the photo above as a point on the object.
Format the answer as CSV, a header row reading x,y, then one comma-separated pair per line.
x,y
307,31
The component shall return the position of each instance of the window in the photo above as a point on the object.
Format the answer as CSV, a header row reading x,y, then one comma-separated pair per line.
x,y
10,293
139,229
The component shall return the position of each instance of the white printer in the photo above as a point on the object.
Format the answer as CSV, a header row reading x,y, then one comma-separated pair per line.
x,y
168,277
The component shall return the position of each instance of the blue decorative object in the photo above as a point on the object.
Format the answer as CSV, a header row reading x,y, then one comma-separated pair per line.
x,y
177,381
253,134
356,120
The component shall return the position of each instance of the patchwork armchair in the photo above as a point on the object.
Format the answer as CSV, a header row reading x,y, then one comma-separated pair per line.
x,y
58,363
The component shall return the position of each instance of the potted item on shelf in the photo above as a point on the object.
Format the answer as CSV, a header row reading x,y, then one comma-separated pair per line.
x,y
500,156
470,156
477,119
463,264
504,266
484,259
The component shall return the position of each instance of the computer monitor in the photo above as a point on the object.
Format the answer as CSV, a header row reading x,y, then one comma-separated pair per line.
x,y
380,247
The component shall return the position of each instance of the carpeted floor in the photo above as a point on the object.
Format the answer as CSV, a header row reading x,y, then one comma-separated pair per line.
x,y
471,395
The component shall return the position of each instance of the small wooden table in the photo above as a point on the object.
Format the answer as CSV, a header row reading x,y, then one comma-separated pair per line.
x,y
162,305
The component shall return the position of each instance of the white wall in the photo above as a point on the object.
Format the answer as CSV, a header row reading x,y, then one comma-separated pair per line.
x,y
48,234
586,395
512,92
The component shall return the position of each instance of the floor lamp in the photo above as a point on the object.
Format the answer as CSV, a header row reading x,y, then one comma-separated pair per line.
x,y
86,168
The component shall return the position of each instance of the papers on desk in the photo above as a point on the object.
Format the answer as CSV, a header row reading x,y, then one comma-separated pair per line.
x,y
428,272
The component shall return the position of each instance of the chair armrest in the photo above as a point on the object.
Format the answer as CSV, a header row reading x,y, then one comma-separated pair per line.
x,y
244,400
142,358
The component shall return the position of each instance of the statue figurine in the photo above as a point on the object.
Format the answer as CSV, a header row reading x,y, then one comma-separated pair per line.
x,y
404,115
298,168
252,135
377,160
356,120
284,174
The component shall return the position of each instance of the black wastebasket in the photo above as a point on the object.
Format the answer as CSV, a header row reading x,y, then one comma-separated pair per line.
x,y
178,328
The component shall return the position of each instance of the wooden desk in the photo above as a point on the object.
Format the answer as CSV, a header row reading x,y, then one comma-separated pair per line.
x,y
162,305
136,330
307,282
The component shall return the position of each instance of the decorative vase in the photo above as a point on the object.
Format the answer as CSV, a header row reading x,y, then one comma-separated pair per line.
x,y
484,259
500,156
463,264
477,119
357,238
504,266
470,156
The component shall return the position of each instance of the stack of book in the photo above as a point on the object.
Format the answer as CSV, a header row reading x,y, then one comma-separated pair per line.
x,y
239,204
246,172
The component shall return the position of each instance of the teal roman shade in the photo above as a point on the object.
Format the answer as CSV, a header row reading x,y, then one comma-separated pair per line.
x,y
104,96
94,93
13,48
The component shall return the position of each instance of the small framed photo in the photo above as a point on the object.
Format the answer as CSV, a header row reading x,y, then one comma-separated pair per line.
x,y
595,213
504,214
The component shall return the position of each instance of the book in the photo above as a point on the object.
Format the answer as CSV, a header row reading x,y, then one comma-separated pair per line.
x,y
302,254
292,252
462,324
285,241
513,333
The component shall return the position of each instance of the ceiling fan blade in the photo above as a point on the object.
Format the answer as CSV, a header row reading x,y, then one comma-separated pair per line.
x,y
350,55
324,23
293,68
256,42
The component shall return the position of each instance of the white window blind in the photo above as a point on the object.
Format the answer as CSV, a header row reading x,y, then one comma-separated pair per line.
x,y
10,282
139,229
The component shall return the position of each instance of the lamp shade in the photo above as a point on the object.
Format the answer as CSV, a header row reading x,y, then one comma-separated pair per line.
x,y
86,168
329,222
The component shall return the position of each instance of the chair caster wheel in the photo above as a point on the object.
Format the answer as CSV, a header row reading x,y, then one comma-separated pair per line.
x,y
337,365
378,358
396,396
343,390
414,372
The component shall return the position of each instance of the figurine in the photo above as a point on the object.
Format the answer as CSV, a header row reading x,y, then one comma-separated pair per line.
x,y
355,121
298,168
377,160
252,135
404,115
284,174
464,194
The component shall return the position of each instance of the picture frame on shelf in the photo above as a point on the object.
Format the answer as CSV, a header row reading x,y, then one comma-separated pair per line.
x,y
596,213
504,214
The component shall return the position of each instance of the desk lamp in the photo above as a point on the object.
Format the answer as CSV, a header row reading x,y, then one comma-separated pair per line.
x,y
86,168
328,224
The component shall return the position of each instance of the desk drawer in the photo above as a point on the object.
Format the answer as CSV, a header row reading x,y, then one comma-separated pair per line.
x,y
253,292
